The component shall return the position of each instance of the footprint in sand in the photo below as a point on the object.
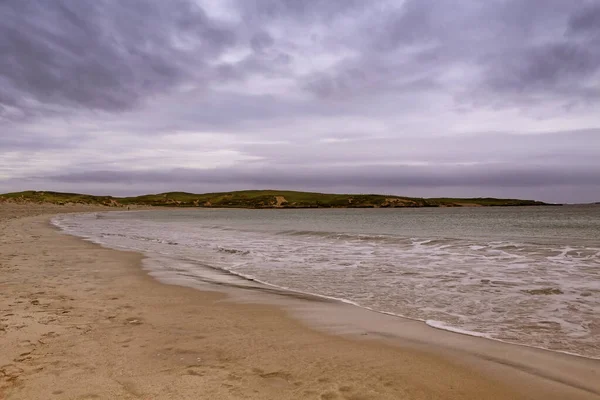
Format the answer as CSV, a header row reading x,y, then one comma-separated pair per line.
x,y
24,356
277,378
345,389
25,343
50,335
195,370
47,320
10,372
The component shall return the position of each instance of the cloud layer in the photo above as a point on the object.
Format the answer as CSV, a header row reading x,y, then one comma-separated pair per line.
x,y
415,97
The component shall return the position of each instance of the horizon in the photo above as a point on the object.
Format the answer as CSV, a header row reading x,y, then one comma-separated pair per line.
x,y
414,98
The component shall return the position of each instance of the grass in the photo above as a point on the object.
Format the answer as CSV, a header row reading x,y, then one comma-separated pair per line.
x,y
259,199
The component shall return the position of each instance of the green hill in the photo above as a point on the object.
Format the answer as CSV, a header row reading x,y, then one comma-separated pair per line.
x,y
259,199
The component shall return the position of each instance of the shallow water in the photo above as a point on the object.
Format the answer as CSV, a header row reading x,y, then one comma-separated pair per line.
x,y
527,275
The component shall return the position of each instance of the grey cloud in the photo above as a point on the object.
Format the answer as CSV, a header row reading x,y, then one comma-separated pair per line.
x,y
557,67
417,21
111,55
498,42
357,77
105,54
574,148
209,110
587,20
293,9
492,175
24,142
543,59
374,95
261,41
502,160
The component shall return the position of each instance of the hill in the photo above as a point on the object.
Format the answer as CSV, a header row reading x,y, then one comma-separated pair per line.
x,y
259,199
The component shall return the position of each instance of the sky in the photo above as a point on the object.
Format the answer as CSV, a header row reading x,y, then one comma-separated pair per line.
x,y
420,98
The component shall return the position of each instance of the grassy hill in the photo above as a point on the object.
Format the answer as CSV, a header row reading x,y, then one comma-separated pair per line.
x,y
259,199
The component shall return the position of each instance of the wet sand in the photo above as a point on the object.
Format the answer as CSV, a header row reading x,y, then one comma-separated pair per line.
x,y
78,321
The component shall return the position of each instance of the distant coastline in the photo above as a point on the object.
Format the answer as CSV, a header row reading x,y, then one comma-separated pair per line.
x,y
260,199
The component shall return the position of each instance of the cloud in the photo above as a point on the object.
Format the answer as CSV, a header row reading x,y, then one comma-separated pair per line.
x,y
307,10
556,69
396,177
497,54
411,165
105,55
586,21
416,94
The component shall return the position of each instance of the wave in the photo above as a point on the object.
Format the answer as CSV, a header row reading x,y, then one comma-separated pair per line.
x,y
443,326
286,291
391,265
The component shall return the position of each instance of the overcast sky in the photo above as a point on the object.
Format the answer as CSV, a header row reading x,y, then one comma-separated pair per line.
x,y
418,97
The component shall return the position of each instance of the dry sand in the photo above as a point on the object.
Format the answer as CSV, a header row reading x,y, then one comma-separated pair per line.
x,y
78,321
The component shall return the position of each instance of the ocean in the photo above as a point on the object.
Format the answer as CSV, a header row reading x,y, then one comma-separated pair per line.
x,y
523,275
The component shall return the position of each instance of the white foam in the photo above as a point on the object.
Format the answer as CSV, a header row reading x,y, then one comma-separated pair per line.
x,y
446,327
480,282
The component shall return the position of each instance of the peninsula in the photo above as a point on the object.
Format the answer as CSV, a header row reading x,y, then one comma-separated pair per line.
x,y
259,199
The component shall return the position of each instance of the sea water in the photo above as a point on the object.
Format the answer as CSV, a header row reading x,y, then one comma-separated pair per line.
x,y
525,275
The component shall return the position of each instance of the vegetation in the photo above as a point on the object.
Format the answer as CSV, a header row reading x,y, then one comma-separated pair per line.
x,y
31,196
484,201
259,199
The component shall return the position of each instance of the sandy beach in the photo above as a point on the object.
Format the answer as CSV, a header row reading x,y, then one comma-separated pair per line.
x,y
78,321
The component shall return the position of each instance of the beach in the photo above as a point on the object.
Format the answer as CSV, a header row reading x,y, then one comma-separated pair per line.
x,y
79,321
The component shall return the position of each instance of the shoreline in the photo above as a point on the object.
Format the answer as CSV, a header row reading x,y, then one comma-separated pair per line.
x,y
230,277
247,282
342,318
123,334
